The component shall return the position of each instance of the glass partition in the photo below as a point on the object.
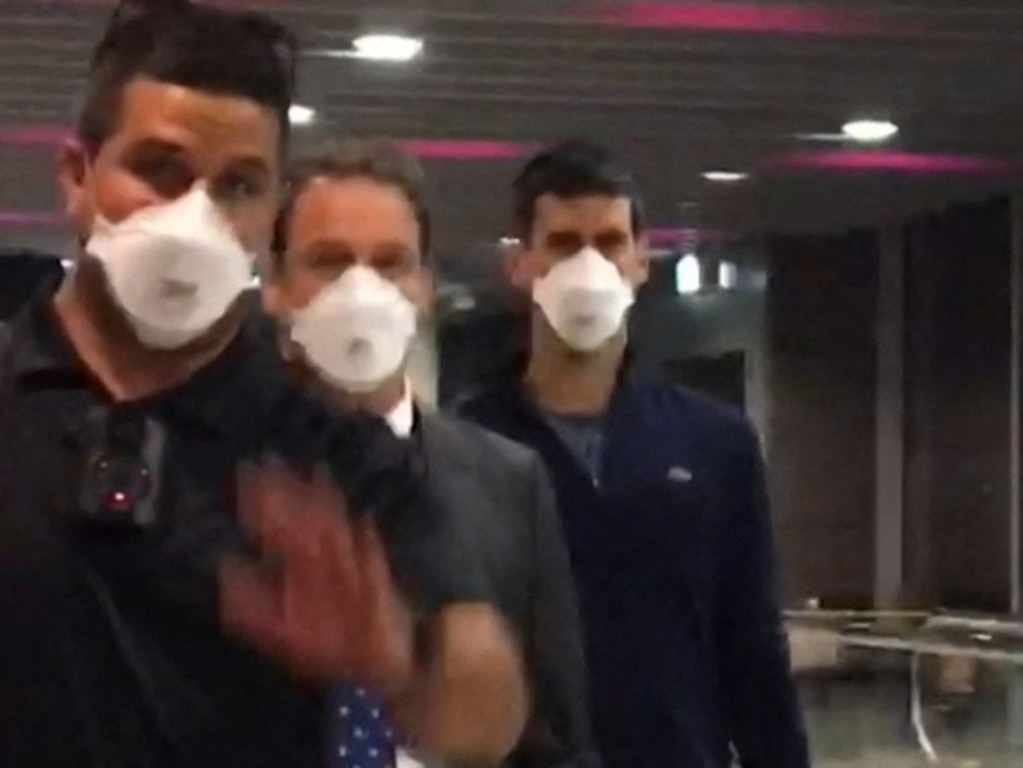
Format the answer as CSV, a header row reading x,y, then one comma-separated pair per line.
x,y
905,689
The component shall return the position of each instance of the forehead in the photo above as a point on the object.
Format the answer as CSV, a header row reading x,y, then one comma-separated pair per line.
x,y
214,126
354,210
586,213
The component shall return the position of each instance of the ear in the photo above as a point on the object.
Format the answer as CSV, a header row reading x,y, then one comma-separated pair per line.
x,y
274,300
642,261
519,267
72,173
426,291
274,294
290,351
272,283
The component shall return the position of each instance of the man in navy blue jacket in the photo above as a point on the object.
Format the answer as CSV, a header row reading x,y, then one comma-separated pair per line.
x,y
661,495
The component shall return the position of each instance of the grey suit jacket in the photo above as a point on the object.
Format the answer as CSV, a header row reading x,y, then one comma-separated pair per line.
x,y
502,506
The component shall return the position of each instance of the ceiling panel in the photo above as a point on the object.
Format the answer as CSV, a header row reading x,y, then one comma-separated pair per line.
x,y
679,87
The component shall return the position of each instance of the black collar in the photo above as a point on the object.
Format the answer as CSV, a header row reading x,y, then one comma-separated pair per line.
x,y
518,392
229,396
39,347
442,437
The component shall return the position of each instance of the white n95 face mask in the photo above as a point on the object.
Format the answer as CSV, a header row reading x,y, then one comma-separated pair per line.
x,y
357,331
174,269
584,298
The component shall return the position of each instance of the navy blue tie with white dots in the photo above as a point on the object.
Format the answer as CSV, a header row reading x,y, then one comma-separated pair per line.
x,y
364,738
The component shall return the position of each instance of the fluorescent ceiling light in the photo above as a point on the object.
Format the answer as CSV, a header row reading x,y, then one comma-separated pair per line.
x,y
301,115
387,47
725,177
869,131
828,137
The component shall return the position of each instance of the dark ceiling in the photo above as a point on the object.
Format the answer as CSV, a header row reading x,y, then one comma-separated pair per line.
x,y
677,87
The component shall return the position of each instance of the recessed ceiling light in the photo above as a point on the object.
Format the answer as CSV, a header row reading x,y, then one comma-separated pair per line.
x,y
387,47
868,131
725,177
301,115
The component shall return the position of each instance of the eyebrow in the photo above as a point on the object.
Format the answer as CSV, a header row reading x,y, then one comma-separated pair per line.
x,y
154,145
334,245
250,163
612,233
323,245
391,246
563,238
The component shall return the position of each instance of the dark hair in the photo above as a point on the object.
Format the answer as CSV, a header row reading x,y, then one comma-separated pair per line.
x,y
173,41
379,160
573,168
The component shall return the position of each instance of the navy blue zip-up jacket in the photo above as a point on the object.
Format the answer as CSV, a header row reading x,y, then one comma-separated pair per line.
x,y
675,563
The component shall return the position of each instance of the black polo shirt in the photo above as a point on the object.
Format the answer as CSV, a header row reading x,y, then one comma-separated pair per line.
x,y
111,653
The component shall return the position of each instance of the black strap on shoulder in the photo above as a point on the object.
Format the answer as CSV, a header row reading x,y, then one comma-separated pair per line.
x,y
6,336
5,341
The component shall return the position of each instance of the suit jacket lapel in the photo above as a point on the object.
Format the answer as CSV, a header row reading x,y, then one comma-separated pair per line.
x,y
450,462
442,444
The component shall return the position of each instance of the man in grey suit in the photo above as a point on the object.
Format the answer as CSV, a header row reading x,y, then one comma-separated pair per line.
x,y
348,283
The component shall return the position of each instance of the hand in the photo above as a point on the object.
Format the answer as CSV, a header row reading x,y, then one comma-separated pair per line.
x,y
470,703
327,607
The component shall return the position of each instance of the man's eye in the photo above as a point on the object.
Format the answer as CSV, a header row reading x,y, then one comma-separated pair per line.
x,y
391,264
241,188
330,262
564,246
165,175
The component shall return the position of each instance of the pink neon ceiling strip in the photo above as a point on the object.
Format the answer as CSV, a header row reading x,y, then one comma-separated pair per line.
x,y
748,17
445,149
907,163
34,135
48,134
29,219
242,4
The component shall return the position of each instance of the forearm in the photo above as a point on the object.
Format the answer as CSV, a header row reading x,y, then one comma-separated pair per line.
x,y
467,703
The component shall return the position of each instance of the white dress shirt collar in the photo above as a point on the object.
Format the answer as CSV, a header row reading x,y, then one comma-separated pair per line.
x,y
402,417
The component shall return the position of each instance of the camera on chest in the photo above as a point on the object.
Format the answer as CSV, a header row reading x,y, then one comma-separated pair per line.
x,y
116,457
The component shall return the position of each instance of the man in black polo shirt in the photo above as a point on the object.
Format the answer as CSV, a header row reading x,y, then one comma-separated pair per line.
x,y
155,611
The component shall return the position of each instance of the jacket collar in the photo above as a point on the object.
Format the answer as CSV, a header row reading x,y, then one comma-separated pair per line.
x,y
443,441
228,397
